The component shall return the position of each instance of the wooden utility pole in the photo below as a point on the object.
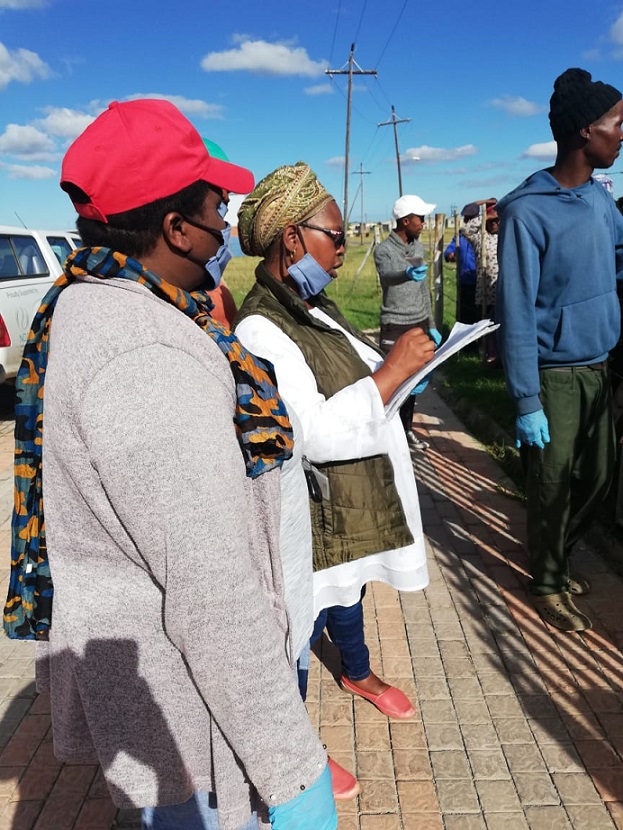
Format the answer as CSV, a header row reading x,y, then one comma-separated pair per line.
x,y
361,173
395,121
350,72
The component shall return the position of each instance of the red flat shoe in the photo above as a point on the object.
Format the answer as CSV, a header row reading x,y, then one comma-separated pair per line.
x,y
344,784
392,702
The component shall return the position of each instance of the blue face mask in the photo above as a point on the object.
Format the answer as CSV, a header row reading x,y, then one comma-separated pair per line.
x,y
309,276
217,264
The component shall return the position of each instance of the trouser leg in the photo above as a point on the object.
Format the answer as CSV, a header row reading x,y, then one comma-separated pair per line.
x,y
406,413
566,479
594,469
345,627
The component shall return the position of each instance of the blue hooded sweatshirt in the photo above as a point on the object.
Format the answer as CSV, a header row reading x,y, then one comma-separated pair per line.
x,y
560,252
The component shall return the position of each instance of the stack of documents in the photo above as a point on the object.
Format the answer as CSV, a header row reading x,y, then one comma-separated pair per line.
x,y
460,336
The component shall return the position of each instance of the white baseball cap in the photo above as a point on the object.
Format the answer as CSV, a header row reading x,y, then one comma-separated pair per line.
x,y
407,205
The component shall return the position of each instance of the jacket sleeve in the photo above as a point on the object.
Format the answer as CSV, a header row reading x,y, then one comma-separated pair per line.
x,y
388,266
450,249
167,455
349,424
517,287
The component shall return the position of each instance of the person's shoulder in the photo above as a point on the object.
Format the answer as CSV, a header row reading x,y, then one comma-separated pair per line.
x,y
385,244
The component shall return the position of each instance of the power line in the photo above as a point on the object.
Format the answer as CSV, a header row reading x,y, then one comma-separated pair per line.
x,y
363,11
391,34
337,19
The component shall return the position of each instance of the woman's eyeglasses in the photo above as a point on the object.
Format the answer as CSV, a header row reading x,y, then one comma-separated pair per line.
x,y
338,237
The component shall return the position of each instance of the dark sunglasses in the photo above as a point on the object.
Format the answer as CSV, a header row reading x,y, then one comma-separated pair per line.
x,y
338,237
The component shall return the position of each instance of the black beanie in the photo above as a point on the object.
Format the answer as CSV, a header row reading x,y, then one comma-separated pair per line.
x,y
578,101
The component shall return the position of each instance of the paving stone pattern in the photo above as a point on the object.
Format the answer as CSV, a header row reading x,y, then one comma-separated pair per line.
x,y
518,726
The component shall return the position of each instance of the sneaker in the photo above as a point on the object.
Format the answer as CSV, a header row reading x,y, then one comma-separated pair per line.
x,y
415,442
578,585
559,610
344,784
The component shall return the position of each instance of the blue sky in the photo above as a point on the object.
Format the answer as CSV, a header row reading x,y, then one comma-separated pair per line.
x,y
474,78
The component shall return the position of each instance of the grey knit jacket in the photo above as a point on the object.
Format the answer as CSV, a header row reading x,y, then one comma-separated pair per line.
x,y
405,302
167,655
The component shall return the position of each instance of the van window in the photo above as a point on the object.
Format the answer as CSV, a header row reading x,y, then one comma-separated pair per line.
x,y
20,256
61,247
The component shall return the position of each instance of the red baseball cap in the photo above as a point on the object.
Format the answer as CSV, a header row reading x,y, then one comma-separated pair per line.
x,y
139,151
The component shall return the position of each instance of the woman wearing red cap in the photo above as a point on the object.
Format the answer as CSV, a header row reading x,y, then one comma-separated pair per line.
x,y
155,572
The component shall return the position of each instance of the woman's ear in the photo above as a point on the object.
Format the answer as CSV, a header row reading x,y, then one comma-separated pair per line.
x,y
290,238
174,232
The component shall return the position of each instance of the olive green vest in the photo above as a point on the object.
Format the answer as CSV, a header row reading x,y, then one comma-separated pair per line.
x,y
364,514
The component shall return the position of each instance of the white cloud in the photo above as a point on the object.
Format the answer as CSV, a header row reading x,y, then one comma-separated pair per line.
x,y
616,30
542,152
190,106
22,4
319,89
23,171
515,105
336,161
591,54
26,141
64,122
263,58
432,155
21,65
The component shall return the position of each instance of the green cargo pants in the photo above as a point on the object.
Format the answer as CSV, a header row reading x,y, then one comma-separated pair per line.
x,y
568,479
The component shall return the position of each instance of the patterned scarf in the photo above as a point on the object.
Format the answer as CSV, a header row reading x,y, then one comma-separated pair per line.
x,y
260,420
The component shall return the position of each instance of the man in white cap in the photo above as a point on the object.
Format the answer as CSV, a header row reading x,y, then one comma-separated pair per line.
x,y
401,265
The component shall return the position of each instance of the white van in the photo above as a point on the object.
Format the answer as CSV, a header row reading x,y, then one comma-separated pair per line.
x,y
30,261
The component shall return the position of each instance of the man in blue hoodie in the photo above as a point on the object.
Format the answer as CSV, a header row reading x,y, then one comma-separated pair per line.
x,y
560,254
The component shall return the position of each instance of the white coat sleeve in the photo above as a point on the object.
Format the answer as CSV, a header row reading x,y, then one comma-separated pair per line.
x,y
349,424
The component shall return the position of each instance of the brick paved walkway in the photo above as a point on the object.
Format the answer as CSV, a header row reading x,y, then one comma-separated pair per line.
x,y
518,725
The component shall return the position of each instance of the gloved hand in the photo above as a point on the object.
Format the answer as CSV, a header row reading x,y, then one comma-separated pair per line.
x,y
435,336
312,809
532,429
418,273
417,390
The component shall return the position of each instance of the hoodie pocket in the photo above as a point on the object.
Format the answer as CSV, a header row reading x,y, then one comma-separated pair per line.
x,y
588,329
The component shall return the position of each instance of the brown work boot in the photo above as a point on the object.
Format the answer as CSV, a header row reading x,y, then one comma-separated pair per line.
x,y
559,610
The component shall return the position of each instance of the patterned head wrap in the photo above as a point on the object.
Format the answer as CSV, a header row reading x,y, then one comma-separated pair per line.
x,y
290,194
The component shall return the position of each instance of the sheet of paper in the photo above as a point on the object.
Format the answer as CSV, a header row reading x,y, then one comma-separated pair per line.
x,y
460,336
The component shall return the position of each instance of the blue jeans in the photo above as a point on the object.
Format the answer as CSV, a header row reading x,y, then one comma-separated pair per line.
x,y
345,627
198,813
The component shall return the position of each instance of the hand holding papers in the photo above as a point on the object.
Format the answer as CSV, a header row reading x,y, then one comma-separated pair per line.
x,y
460,336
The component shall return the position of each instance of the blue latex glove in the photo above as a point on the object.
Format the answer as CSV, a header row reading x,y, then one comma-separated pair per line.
x,y
312,809
532,429
417,390
418,273
435,336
